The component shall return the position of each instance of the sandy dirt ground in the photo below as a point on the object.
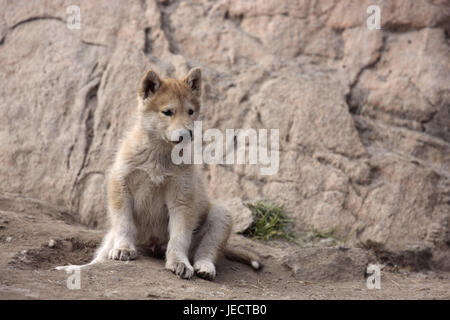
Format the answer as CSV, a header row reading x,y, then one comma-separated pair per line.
x,y
28,257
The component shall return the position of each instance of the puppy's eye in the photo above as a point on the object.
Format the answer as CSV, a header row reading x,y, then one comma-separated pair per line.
x,y
191,112
167,113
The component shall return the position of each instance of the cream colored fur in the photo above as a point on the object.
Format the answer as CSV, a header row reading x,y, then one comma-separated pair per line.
x,y
154,203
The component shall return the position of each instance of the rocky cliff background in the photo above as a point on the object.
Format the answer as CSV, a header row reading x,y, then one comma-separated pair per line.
x,y
364,115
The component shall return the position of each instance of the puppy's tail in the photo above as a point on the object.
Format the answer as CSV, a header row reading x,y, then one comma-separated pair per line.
x,y
243,256
100,255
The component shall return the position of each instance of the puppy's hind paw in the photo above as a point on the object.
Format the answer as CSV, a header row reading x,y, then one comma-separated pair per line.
x,y
122,254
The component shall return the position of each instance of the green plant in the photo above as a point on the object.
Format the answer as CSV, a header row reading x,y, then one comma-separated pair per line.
x,y
270,221
316,234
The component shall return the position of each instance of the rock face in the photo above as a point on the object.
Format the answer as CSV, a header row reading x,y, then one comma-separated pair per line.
x,y
364,115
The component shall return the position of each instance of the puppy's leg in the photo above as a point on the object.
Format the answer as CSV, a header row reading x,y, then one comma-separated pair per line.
x,y
212,237
181,225
123,227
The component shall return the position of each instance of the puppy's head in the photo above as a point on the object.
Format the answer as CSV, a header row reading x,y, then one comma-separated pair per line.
x,y
169,107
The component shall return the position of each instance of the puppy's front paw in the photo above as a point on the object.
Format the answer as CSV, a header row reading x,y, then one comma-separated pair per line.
x,y
123,254
181,269
205,269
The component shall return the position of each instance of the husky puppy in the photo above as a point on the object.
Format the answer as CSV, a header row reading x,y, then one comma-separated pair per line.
x,y
156,203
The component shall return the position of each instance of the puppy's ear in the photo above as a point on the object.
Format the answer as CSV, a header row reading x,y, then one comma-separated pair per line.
x,y
194,81
149,84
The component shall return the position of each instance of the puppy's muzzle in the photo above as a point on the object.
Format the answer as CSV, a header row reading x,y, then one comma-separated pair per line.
x,y
181,135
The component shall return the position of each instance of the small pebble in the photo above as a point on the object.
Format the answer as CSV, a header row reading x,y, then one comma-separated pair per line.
x,y
51,243
8,239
